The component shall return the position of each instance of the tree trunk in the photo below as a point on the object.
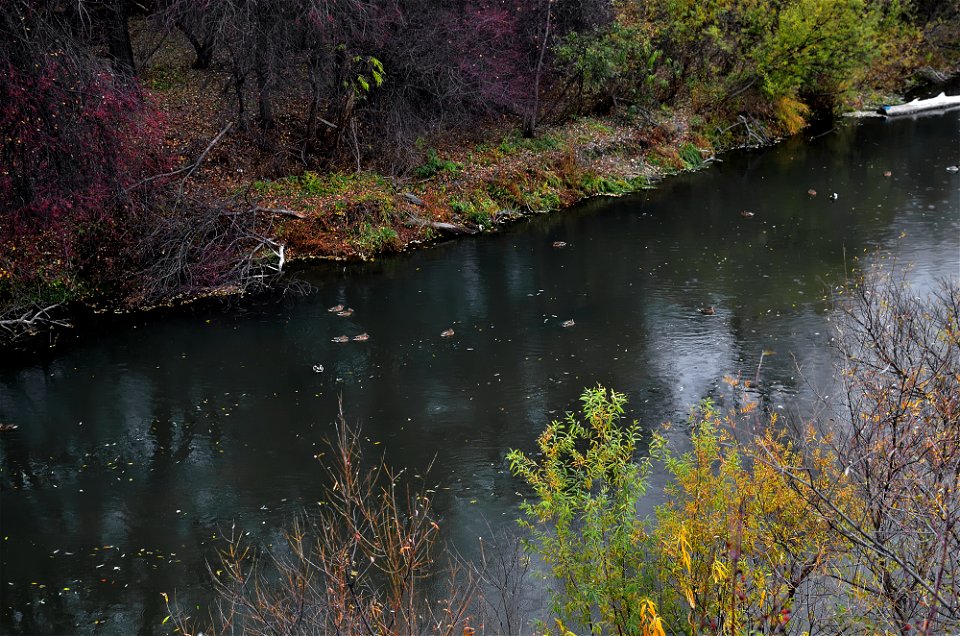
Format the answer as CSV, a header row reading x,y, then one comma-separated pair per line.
x,y
118,38
344,97
238,82
263,99
203,49
264,58
530,121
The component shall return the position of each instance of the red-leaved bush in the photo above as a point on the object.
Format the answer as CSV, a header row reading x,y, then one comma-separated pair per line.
x,y
74,141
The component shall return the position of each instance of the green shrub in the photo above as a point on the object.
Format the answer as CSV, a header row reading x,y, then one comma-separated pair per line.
x,y
818,46
614,63
587,482
435,165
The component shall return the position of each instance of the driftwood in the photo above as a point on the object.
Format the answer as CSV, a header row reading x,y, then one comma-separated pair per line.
x,y
18,321
919,105
412,198
281,211
450,228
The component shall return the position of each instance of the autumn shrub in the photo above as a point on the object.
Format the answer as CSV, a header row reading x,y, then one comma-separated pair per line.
x,y
737,550
895,440
586,482
357,565
733,550
80,150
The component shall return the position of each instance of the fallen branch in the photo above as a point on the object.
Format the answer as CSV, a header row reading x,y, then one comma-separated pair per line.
x,y
203,155
188,169
31,318
451,228
281,211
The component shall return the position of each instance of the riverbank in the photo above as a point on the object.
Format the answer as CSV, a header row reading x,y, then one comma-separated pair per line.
x,y
472,181
243,201
477,188
477,180
462,189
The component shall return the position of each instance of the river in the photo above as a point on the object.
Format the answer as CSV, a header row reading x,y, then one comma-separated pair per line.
x,y
137,447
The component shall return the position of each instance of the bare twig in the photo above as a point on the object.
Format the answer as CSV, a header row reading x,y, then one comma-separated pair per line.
x,y
190,169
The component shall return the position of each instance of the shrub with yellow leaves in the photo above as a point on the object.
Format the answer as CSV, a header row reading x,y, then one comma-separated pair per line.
x,y
735,541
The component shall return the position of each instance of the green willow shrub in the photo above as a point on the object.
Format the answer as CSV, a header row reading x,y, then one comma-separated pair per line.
x,y
707,42
729,552
583,519
776,57
818,46
610,65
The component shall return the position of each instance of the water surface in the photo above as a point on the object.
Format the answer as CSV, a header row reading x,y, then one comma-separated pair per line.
x,y
136,448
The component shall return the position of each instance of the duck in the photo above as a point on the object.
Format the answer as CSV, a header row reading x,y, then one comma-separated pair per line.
x,y
318,368
6,428
834,196
336,309
707,311
812,192
363,337
341,339
567,323
747,214
953,168
447,333
559,244
346,313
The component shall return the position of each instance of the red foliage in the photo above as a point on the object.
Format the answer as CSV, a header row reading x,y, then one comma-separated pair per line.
x,y
72,140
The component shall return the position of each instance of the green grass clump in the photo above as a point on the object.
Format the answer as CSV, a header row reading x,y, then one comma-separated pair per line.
x,y
364,185
515,142
592,183
434,165
480,210
375,238
691,156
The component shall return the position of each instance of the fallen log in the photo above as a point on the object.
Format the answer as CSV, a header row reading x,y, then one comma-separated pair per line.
x,y
918,105
451,228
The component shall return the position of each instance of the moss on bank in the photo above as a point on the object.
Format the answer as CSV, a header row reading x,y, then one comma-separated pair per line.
x,y
472,189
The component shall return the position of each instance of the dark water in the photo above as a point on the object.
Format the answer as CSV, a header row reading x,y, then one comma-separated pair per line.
x,y
136,448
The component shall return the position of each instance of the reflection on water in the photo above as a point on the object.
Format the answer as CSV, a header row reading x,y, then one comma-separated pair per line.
x,y
135,450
